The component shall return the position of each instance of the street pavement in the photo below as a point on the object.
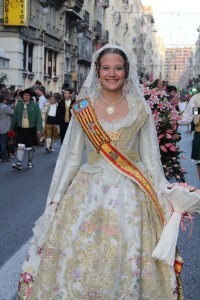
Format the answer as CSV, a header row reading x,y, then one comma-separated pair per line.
x,y
22,200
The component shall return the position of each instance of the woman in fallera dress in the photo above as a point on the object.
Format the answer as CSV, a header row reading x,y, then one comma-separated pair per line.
x,y
103,219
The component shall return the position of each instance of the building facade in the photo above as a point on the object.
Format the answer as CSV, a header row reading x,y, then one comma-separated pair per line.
x,y
176,61
53,40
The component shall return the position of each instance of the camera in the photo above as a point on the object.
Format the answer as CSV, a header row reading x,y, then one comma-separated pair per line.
x,y
196,110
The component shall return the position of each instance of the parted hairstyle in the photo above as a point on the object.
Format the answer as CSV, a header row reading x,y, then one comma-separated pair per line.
x,y
112,51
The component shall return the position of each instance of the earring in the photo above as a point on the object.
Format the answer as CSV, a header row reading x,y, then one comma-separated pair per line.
x,y
98,85
124,87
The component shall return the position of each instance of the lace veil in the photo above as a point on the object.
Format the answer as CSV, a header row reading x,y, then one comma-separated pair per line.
x,y
89,86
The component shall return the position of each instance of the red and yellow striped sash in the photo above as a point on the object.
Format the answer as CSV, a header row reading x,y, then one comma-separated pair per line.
x,y
85,115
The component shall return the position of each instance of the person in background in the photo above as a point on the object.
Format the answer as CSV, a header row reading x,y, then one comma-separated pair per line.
x,y
51,129
192,114
17,96
174,97
27,122
11,144
63,114
37,85
5,113
42,101
171,90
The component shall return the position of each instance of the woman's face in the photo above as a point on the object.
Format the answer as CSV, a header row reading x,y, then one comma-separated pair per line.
x,y
112,72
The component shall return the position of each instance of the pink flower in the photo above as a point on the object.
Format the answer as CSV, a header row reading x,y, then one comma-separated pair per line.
x,y
163,148
172,148
160,106
168,136
161,136
169,131
27,277
168,145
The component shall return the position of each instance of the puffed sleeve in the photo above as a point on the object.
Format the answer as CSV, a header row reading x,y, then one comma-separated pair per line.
x,y
150,156
68,162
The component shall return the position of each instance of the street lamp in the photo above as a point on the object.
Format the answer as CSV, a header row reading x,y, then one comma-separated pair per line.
x,y
44,4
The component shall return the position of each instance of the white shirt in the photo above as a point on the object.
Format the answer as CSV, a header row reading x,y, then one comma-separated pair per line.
x,y
188,114
52,110
42,101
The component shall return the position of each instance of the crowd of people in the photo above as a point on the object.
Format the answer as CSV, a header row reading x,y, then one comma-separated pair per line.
x,y
32,117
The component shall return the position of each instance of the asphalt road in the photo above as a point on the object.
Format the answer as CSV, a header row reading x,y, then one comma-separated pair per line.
x,y
22,200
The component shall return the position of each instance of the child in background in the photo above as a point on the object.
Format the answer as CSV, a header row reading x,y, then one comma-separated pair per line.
x,y
51,130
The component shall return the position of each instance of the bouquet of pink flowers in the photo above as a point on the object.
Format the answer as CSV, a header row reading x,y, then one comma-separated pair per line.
x,y
166,120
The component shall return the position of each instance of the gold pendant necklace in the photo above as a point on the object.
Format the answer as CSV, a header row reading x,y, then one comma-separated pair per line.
x,y
110,109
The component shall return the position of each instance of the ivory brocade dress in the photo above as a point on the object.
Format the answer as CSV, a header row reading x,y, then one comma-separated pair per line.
x,y
99,243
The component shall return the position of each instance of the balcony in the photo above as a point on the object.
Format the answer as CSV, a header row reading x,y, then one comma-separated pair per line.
x,y
97,28
31,75
75,5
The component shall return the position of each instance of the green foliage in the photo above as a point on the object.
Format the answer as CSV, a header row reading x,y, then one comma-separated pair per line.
x,y
3,78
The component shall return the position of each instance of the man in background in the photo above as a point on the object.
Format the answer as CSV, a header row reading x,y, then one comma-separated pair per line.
x,y
63,114
5,113
42,101
27,122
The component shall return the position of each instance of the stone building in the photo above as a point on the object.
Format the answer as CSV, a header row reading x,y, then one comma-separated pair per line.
x,y
42,44
53,40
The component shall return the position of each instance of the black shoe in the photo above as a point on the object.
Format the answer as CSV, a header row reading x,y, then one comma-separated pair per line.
x,y
17,166
47,150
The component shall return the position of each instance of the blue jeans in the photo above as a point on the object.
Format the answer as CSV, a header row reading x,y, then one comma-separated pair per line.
x,y
3,143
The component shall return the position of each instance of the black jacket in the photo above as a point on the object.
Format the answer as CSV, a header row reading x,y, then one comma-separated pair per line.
x,y
60,113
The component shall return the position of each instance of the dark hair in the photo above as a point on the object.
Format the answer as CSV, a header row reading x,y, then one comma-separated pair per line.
x,y
171,88
68,90
2,98
38,82
41,88
113,51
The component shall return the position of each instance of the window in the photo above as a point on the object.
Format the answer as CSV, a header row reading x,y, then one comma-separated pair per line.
x,y
51,16
68,64
87,17
49,59
32,7
50,62
28,56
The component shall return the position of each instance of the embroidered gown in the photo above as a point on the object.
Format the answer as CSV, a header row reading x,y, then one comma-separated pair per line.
x,y
99,243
